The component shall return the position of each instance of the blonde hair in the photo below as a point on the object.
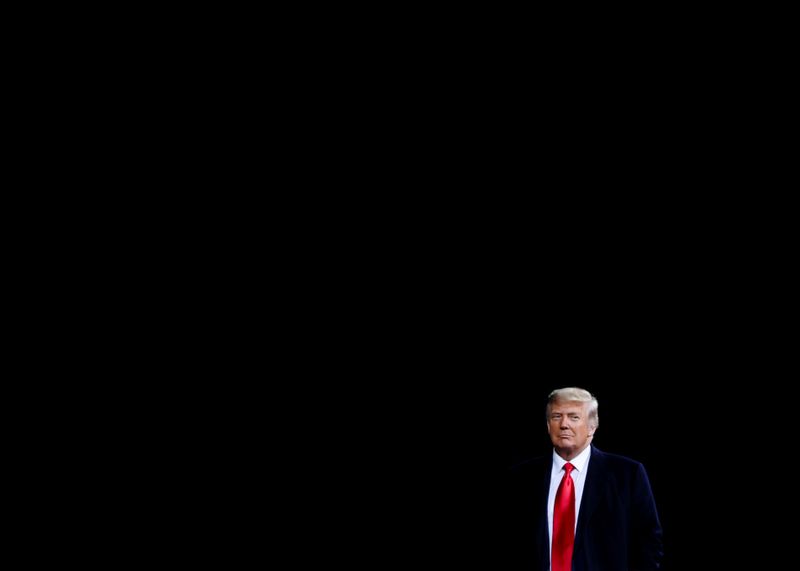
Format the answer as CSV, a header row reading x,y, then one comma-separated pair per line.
x,y
575,394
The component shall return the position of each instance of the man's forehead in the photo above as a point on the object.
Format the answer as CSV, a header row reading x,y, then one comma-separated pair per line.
x,y
570,405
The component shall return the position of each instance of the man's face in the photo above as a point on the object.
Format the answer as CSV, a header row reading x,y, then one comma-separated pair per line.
x,y
568,426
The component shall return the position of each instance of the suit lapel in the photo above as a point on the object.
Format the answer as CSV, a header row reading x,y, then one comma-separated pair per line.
x,y
592,491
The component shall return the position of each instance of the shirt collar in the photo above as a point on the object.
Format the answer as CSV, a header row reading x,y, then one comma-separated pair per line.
x,y
579,462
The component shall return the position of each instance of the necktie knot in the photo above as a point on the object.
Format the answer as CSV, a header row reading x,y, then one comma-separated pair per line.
x,y
568,468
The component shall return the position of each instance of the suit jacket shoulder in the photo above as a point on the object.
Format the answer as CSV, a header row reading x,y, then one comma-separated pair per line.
x,y
615,460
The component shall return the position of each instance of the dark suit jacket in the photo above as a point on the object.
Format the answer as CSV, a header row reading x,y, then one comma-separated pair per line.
x,y
618,527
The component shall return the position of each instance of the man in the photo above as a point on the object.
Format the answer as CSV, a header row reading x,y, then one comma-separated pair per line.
x,y
580,509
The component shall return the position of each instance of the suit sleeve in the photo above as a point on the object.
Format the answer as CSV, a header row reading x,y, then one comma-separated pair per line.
x,y
648,541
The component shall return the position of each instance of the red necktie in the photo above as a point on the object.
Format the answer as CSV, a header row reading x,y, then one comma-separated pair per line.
x,y
564,523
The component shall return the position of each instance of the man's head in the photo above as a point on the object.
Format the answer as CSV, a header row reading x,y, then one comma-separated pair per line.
x,y
571,420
